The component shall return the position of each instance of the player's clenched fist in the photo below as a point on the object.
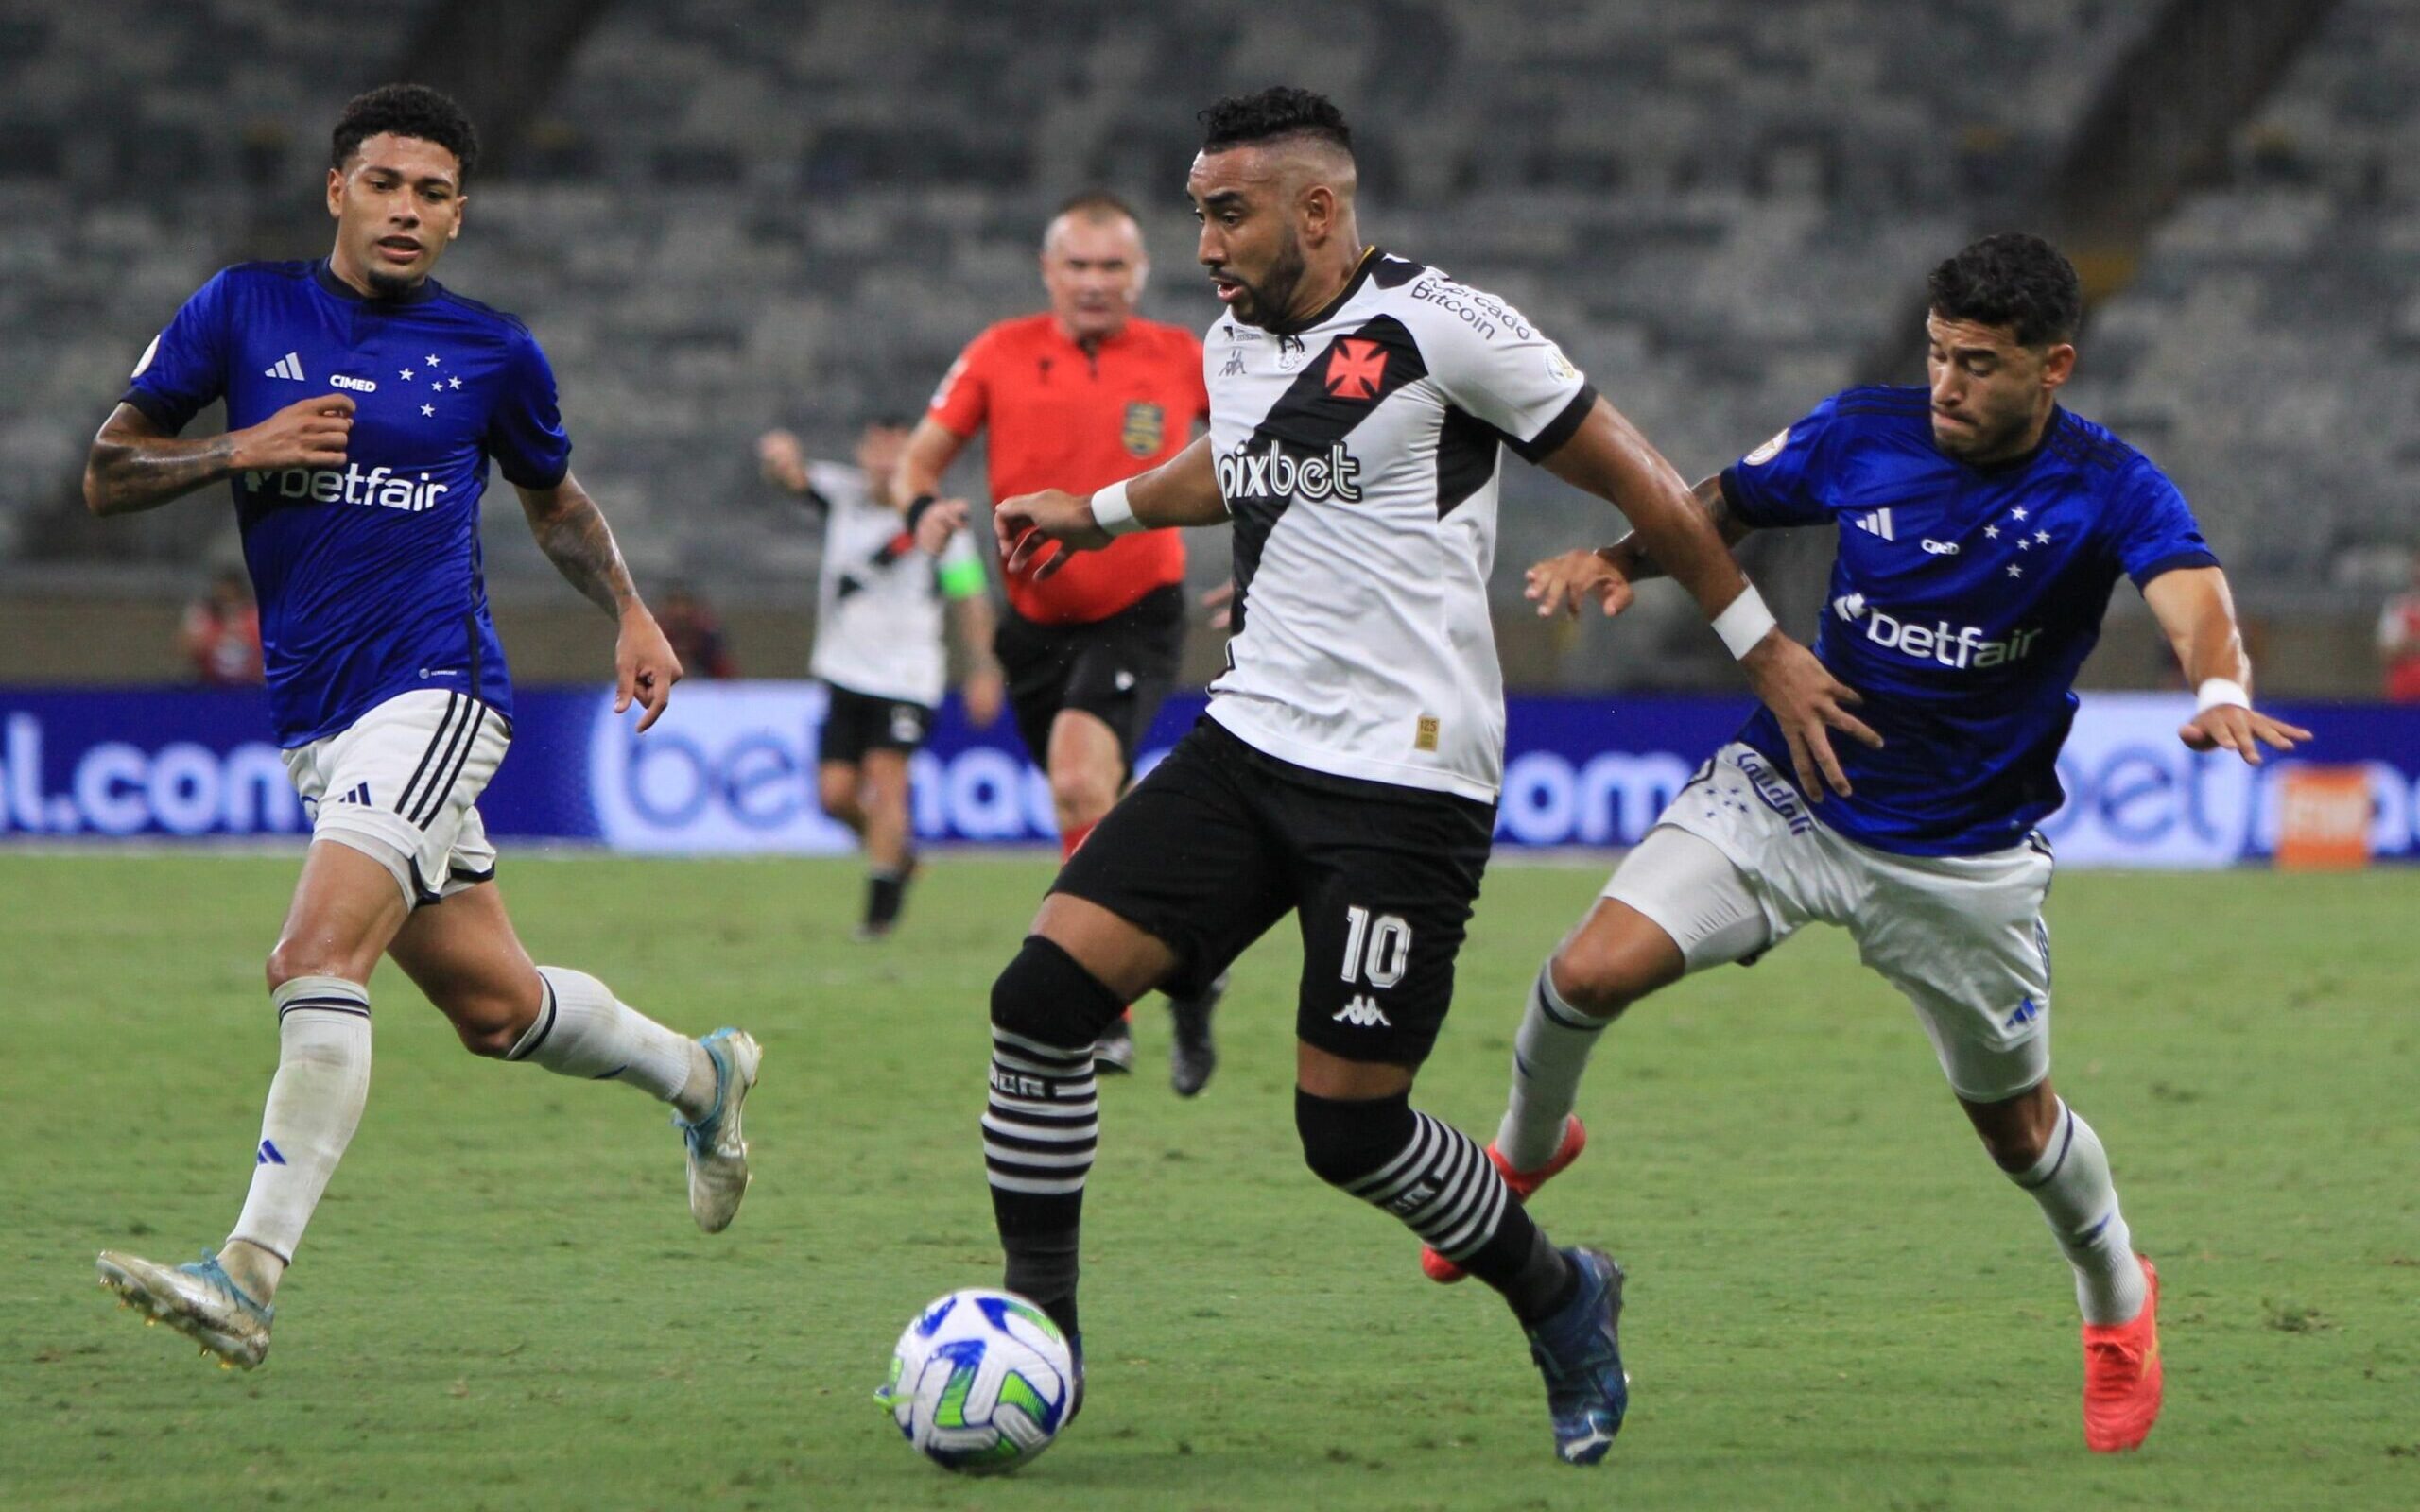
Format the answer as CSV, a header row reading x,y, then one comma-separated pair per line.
x,y
307,433
1029,523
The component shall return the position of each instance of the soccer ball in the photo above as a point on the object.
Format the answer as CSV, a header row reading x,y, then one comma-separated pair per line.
x,y
981,1383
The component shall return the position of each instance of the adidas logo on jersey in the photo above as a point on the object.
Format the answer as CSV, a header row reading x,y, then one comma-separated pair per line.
x,y
1878,522
380,488
1275,475
288,366
1363,1013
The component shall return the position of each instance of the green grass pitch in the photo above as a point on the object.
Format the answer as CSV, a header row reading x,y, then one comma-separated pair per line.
x,y
1836,1302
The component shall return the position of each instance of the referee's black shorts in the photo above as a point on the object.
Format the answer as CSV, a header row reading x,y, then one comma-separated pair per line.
x,y
1117,669
1221,841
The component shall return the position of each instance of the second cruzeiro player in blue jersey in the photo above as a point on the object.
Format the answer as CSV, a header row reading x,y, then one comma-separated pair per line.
x,y
364,403
1981,530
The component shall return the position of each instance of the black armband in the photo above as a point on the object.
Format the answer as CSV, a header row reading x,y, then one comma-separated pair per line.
x,y
916,511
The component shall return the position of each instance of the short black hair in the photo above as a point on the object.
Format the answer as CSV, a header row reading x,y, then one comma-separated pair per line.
x,y
1097,202
2014,280
1279,110
405,109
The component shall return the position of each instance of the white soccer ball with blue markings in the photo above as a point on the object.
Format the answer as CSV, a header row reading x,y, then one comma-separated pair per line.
x,y
981,1383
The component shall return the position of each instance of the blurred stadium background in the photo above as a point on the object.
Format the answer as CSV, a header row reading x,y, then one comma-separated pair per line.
x,y
728,214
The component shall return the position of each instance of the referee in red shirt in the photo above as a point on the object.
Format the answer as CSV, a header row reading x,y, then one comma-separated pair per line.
x,y
1076,398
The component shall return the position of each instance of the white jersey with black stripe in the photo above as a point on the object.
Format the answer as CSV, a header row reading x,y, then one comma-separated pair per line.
x,y
1359,454
878,603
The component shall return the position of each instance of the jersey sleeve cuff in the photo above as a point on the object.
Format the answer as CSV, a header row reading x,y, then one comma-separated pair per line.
x,y
1558,430
155,409
536,480
2177,561
1735,493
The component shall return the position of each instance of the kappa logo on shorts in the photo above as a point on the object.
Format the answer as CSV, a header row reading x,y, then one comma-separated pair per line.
x,y
1363,1013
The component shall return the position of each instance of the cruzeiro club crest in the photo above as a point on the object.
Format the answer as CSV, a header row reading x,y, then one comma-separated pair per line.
x,y
1145,429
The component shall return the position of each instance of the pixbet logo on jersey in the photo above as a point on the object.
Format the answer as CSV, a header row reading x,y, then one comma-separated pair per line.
x,y
379,487
1276,474
1964,646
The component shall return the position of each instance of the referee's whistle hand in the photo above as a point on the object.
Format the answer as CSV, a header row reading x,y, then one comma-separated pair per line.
x,y
308,433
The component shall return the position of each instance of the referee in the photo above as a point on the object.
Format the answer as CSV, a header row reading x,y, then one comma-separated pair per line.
x,y
1078,397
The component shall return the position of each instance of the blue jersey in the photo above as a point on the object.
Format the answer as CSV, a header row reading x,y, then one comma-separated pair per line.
x,y
1963,601
368,574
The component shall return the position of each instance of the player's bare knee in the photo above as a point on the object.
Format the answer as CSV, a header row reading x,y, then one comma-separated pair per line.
x,y
293,958
2017,1131
1599,976
1082,795
836,792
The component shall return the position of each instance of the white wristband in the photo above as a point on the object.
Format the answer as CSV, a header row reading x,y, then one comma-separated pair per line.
x,y
1113,513
2215,691
1744,623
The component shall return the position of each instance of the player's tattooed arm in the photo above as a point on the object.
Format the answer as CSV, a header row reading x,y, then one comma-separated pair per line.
x,y
572,531
2197,613
135,464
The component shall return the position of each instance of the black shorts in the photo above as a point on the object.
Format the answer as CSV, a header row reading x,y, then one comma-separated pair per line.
x,y
855,723
1221,841
1116,670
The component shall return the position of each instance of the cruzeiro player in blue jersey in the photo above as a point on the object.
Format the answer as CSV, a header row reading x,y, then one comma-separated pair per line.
x,y
1983,529
365,403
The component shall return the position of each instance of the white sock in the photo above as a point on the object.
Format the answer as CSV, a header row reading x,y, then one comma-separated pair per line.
x,y
2071,1183
314,1106
1548,1056
584,1030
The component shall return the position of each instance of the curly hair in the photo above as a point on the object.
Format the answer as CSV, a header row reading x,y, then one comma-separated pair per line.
x,y
405,109
1276,111
2012,279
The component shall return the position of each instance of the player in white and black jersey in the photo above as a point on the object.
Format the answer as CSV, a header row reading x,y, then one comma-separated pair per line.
x,y
1348,767
879,649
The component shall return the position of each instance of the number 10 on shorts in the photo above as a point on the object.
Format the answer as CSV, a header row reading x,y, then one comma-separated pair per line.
x,y
1376,951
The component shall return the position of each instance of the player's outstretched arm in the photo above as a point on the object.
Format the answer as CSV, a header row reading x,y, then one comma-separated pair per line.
x,y
134,465
1562,584
2197,613
572,531
1183,490
1607,456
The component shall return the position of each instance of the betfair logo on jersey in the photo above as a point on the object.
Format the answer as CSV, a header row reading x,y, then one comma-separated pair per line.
x,y
1275,475
1145,429
379,487
1964,646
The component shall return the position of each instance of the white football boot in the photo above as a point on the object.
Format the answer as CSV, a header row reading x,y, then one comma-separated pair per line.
x,y
199,1300
717,1152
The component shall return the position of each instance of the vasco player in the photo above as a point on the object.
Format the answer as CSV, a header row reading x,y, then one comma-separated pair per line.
x,y
1074,398
879,649
1982,528
1348,767
365,403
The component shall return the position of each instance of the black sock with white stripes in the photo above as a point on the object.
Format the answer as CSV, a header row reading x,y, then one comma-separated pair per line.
x,y
1039,1133
1437,1180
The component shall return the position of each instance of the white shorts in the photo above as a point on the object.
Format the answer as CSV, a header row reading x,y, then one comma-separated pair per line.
x,y
401,786
1737,864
